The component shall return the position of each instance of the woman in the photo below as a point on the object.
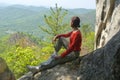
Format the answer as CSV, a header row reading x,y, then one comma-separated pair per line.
x,y
72,51
75,39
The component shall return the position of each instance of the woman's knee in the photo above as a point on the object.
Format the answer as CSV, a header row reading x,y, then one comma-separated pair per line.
x,y
61,38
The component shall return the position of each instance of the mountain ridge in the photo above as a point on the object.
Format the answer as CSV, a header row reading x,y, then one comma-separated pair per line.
x,y
20,18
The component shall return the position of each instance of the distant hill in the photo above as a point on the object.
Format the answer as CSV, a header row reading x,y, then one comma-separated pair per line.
x,y
19,18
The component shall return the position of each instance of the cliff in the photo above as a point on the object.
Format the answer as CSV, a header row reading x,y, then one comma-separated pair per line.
x,y
107,21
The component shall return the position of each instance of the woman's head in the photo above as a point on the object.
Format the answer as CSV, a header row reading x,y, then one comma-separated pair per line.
x,y
75,21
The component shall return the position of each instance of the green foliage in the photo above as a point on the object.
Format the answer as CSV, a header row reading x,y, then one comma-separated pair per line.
x,y
89,41
3,44
88,37
17,59
86,29
46,50
55,21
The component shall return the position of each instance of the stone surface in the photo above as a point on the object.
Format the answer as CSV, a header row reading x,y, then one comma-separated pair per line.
x,y
107,21
61,72
5,73
103,63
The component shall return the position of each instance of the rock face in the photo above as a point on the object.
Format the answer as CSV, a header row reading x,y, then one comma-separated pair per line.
x,y
107,21
5,73
67,71
103,63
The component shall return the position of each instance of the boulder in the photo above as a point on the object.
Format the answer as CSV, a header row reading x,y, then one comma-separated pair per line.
x,y
5,73
103,63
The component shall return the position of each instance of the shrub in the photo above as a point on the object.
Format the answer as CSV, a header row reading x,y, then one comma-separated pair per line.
x,y
18,58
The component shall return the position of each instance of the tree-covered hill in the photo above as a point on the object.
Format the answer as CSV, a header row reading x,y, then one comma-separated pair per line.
x,y
19,18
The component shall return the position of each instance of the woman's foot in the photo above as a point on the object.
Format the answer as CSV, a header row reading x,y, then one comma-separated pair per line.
x,y
33,69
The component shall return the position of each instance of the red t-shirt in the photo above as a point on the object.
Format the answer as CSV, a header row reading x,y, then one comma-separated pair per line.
x,y
75,41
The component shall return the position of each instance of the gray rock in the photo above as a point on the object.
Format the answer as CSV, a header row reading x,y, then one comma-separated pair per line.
x,y
107,21
103,63
5,73
27,76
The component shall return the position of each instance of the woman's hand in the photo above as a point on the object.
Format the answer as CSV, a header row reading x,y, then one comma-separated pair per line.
x,y
54,39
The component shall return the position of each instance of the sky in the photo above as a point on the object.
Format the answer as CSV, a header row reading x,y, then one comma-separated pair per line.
x,y
88,4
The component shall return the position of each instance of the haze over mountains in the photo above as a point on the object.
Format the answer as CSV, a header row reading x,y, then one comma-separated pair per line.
x,y
20,18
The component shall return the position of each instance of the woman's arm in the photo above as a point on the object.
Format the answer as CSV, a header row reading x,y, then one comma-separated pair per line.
x,y
62,35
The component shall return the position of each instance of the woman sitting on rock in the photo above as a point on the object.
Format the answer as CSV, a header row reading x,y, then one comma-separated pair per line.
x,y
72,47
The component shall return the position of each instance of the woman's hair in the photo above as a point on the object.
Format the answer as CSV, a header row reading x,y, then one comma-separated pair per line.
x,y
76,21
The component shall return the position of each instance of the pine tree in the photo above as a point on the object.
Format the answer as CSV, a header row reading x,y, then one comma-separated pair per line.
x,y
55,21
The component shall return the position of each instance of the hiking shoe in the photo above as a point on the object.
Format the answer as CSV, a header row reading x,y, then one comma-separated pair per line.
x,y
33,69
54,55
